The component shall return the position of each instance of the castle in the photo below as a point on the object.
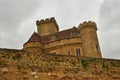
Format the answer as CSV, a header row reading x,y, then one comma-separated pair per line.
x,y
78,41
50,54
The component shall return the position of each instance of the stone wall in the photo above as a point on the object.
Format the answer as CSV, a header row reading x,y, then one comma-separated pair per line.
x,y
22,65
64,46
33,47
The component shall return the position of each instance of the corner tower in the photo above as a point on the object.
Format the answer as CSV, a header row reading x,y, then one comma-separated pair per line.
x,y
33,44
47,26
89,38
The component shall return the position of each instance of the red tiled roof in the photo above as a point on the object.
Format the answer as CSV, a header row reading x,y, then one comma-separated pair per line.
x,y
35,38
65,34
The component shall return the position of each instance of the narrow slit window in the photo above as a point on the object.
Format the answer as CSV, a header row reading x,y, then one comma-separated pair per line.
x,y
97,47
78,51
68,52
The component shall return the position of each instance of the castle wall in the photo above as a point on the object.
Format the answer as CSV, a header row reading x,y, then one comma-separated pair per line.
x,y
23,65
33,47
64,46
67,49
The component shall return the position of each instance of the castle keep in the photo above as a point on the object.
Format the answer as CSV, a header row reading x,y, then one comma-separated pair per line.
x,y
50,54
78,41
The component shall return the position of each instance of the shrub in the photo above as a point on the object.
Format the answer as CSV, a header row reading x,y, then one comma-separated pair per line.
x,y
84,63
17,56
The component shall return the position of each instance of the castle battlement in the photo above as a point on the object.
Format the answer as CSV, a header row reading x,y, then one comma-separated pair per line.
x,y
45,24
87,24
47,20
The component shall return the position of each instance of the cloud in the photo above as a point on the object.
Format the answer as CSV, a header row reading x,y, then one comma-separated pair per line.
x,y
12,14
70,13
17,20
110,28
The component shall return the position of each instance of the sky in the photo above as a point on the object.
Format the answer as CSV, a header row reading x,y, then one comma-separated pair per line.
x,y
18,20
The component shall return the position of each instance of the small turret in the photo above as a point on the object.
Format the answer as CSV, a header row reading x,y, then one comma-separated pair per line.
x,y
47,26
89,38
34,44
88,24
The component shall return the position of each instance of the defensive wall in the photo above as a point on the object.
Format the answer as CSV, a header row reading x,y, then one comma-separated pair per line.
x,y
22,65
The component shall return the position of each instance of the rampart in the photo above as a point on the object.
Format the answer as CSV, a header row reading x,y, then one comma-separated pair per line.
x,y
22,65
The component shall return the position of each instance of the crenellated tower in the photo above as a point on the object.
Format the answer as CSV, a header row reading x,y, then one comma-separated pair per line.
x,y
81,41
33,44
47,26
89,38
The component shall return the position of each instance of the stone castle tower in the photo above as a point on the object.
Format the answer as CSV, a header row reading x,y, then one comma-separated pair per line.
x,y
78,41
89,38
46,27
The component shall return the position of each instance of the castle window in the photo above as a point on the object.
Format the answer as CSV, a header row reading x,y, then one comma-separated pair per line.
x,y
54,52
78,52
53,37
47,43
68,52
96,47
59,42
73,34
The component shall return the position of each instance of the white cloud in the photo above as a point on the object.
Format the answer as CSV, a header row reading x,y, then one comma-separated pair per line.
x,y
110,30
12,14
18,17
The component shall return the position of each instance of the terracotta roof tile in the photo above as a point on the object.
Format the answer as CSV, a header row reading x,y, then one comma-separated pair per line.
x,y
35,38
65,34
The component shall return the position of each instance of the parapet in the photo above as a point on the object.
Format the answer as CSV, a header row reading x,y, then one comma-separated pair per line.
x,y
87,24
47,20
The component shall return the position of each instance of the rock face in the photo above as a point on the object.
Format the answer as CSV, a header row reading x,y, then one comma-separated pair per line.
x,y
23,65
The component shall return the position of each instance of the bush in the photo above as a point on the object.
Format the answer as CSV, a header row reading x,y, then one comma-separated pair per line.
x,y
17,56
84,63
